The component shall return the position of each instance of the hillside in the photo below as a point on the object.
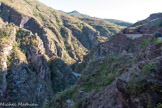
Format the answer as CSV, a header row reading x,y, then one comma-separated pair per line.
x,y
119,22
114,21
123,72
38,46
49,59
146,26
106,27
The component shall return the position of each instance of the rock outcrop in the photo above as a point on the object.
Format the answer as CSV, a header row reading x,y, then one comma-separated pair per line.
x,y
124,72
37,47
6,48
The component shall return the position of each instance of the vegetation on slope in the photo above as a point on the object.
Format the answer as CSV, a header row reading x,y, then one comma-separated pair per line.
x,y
118,78
119,22
100,76
47,40
105,27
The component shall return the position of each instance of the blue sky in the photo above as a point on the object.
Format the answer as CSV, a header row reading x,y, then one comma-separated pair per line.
x,y
127,10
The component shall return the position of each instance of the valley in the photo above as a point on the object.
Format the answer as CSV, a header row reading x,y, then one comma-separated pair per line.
x,y
71,60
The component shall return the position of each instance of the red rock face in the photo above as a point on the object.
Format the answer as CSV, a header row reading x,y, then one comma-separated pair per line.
x,y
115,45
118,94
142,30
148,26
128,31
145,30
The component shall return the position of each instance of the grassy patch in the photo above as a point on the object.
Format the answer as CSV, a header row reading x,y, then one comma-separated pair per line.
x,y
158,41
146,42
104,75
147,69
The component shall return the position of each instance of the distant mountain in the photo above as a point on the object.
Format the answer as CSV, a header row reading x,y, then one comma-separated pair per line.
x,y
105,27
76,13
119,22
51,59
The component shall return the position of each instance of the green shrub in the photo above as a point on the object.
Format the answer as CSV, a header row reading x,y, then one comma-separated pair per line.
x,y
104,75
158,41
147,69
68,93
136,86
109,80
160,25
146,42
159,105
80,26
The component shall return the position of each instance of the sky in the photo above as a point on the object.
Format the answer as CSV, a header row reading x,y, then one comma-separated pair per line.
x,y
126,10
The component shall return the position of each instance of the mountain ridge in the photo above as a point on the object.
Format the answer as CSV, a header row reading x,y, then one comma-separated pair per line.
x,y
57,60
115,21
121,72
38,46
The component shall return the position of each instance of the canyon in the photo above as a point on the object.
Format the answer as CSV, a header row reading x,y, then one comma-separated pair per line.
x,y
71,60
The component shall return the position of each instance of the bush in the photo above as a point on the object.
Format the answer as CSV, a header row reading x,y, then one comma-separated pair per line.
x,y
158,41
136,86
147,69
159,105
146,42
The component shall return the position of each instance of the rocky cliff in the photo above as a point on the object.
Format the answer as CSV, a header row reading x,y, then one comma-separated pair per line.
x,y
37,47
124,72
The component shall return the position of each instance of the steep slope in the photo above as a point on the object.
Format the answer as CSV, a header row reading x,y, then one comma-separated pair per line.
x,y
119,22
124,72
55,29
147,26
61,34
105,27
32,36
27,74
38,44
114,21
